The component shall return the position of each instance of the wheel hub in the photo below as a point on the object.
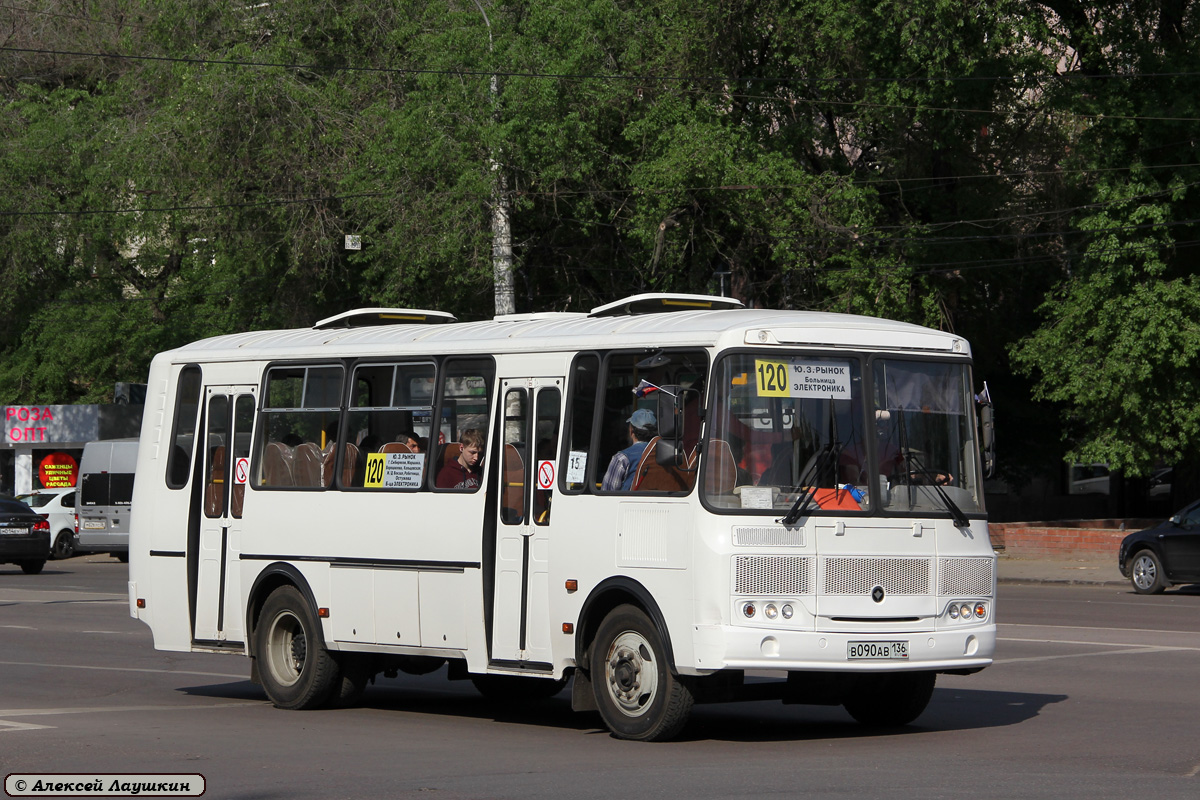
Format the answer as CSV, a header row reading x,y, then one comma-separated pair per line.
x,y
631,674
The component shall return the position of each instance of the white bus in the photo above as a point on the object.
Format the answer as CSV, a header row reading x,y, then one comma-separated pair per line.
x,y
805,522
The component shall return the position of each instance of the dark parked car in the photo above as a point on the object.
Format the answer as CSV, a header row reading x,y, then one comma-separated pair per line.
x,y
24,537
1168,553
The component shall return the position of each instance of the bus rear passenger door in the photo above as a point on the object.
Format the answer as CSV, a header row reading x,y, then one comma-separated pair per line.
x,y
229,420
532,409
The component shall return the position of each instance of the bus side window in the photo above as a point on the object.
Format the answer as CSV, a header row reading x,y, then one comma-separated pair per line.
x,y
390,405
464,404
300,417
581,412
183,432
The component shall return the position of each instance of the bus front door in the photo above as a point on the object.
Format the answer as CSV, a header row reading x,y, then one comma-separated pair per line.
x,y
229,419
520,631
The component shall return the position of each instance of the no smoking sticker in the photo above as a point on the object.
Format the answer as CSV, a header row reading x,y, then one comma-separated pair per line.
x,y
545,475
241,470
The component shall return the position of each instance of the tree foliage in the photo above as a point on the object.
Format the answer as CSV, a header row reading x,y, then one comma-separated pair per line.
x,y
174,169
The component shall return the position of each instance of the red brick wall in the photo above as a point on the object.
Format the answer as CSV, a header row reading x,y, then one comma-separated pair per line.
x,y
1058,539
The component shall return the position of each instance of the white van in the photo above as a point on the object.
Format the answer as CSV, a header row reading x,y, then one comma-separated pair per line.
x,y
105,498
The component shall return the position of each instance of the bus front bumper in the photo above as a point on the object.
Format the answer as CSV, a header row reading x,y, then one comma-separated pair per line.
x,y
719,647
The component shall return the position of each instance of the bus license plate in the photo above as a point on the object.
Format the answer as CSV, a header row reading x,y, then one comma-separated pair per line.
x,y
877,650
15,531
93,524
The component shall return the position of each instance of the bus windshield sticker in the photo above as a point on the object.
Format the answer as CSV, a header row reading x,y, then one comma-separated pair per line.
x,y
800,378
394,470
576,466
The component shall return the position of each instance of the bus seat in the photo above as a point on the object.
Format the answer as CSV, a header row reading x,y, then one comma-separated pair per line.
x,y
214,487
307,466
395,447
654,477
277,465
721,470
349,464
449,452
512,494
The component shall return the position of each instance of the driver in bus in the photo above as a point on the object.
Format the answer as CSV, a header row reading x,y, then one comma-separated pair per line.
x,y
643,426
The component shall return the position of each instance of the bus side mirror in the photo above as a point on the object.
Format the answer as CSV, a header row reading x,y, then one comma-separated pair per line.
x,y
987,428
673,404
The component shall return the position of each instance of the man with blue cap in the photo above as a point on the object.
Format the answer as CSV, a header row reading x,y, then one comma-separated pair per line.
x,y
643,426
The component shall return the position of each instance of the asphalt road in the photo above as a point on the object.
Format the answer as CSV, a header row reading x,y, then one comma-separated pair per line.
x,y
1094,695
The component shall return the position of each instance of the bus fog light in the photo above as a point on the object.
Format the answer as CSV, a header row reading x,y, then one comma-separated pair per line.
x,y
771,612
787,612
748,609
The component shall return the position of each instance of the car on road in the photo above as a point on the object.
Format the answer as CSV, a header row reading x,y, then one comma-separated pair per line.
x,y
57,506
24,537
1165,554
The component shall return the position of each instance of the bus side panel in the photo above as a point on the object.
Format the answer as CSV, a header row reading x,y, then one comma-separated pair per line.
x,y
160,526
591,545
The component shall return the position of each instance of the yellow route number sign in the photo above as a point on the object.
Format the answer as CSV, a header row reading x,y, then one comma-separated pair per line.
x,y
772,378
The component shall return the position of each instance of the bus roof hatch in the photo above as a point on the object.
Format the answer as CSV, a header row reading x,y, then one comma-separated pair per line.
x,y
658,303
365,317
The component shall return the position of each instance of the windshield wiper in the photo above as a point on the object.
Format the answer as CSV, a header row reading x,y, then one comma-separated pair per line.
x,y
915,467
828,453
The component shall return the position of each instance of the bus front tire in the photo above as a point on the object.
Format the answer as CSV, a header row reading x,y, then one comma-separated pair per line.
x,y
297,671
890,699
637,694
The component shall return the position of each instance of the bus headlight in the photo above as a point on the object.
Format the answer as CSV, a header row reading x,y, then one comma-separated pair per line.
x,y
771,612
788,611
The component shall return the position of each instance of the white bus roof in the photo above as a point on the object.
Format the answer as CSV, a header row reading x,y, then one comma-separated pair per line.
x,y
543,332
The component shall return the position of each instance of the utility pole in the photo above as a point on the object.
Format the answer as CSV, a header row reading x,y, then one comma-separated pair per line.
x,y
501,224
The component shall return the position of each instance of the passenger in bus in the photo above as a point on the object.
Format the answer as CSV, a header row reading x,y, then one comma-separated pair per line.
x,y
411,439
643,426
464,471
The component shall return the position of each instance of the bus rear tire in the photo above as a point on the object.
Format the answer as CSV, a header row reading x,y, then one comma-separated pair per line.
x,y
890,699
32,567
297,671
637,694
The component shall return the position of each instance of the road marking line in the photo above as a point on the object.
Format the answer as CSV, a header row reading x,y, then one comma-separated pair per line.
x,y
1096,644
126,669
1092,628
5,725
52,712
20,627
1092,655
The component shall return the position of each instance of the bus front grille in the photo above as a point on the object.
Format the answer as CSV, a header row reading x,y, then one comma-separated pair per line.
x,y
772,575
966,576
859,575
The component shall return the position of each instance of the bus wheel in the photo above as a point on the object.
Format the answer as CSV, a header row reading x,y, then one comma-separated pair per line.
x,y
508,689
890,699
32,567
637,694
354,673
297,671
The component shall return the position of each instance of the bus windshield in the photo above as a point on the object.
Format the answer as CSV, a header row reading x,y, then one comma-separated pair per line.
x,y
804,429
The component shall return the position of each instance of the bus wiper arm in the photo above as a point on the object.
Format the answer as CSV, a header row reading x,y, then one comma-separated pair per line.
x,y
803,501
960,519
